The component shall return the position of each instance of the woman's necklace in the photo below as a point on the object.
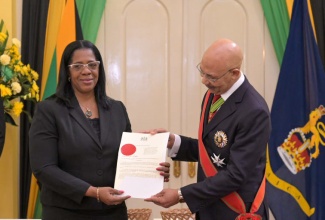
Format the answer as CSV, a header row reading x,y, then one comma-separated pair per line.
x,y
88,113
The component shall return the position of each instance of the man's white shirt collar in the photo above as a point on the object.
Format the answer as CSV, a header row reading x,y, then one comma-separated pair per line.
x,y
234,87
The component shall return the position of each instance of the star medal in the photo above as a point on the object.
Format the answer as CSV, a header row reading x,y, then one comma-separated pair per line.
x,y
216,159
220,139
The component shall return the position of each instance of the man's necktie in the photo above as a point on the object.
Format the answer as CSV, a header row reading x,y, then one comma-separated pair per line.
x,y
216,104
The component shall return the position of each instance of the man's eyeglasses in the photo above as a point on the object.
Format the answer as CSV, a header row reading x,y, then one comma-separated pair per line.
x,y
80,66
210,78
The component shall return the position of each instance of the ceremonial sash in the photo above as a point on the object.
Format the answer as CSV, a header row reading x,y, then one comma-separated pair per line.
x,y
233,200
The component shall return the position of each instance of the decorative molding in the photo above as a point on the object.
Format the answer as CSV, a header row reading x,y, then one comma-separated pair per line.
x,y
177,168
191,169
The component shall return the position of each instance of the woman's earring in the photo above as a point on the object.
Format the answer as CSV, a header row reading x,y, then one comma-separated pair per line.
x,y
69,79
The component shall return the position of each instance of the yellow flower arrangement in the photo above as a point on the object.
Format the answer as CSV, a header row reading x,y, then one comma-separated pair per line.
x,y
17,80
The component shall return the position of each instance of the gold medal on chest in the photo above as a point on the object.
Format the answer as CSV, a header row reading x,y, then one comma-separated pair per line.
x,y
220,139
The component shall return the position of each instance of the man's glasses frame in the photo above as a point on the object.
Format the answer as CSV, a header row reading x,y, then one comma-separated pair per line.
x,y
209,77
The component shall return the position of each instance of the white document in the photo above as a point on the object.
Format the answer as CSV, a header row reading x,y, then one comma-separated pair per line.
x,y
139,156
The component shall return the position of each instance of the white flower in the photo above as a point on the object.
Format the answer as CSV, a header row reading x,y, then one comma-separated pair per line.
x,y
4,59
16,88
16,42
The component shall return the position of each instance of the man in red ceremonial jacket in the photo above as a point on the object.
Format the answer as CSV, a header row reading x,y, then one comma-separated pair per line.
x,y
231,144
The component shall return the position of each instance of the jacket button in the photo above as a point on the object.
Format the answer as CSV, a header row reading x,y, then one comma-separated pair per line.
x,y
99,172
99,156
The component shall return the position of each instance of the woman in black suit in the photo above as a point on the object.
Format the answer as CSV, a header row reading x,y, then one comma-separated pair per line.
x,y
74,141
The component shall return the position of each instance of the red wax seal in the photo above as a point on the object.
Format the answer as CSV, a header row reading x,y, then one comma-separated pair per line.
x,y
128,149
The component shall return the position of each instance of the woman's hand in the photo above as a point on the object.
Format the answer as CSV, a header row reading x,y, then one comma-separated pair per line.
x,y
164,168
111,196
107,195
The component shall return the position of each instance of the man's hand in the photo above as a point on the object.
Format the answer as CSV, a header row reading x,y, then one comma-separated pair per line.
x,y
166,198
171,138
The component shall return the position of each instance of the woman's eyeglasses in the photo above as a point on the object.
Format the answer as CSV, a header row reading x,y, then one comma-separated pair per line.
x,y
80,66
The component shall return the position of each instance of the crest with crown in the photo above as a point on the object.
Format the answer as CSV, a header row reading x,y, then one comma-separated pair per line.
x,y
296,150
